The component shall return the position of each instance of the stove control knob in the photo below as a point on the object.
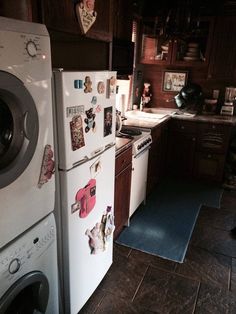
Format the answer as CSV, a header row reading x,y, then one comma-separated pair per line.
x,y
138,147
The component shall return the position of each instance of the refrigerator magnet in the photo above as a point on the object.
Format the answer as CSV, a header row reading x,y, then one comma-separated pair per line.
x,y
90,120
96,239
94,100
112,85
95,168
77,134
47,167
107,121
78,84
88,85
101,87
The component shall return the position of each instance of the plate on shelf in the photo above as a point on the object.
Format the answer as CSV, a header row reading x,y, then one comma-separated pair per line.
x,y
191,59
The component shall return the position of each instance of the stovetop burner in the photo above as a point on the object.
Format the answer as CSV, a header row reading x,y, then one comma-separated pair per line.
x,y
131,132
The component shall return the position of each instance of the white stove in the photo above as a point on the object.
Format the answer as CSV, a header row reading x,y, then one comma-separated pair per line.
x,y
142,138
140,150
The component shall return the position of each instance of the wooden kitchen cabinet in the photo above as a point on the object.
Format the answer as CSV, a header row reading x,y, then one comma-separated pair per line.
x,y
198,149
223,62
211,151
157,157
191,48
123,171
122,19
181,147
60,16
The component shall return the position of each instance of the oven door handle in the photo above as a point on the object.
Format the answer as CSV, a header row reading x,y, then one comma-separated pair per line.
x,y
142,152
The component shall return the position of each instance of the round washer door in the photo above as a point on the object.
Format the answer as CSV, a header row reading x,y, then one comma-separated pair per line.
x,y
27,295
19,128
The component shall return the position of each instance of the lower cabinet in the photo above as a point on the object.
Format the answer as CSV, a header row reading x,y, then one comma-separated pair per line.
x,y
198,149
181,148
123,172
157,157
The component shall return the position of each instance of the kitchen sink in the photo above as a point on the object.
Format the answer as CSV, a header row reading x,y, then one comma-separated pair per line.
x,y
136,114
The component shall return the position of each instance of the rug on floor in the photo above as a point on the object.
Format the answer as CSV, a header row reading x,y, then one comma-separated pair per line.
x,y
164,225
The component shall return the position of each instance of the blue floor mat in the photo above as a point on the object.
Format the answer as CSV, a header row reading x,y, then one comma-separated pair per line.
x,y
164,226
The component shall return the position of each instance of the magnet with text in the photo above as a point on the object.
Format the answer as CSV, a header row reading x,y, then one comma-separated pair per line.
x,y
77,133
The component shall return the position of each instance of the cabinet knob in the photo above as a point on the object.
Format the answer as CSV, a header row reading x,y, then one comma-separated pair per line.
x,y
209,156
182,127
194,139
213,126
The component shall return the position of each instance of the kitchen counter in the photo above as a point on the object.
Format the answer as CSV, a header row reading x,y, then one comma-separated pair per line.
x,y
139,120
122,144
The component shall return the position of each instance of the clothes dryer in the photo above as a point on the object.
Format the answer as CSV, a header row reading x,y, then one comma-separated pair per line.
x,y
26,133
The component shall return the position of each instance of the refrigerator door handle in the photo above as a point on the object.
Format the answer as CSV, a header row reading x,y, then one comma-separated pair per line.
x,y
97,151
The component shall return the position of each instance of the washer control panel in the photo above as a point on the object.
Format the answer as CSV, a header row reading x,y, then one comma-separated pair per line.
x,y
23,252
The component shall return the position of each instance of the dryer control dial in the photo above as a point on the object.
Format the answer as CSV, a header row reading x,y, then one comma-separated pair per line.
x,y
31,48
14,266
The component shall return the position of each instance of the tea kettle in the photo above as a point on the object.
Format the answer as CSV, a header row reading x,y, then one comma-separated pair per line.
x,y
190,97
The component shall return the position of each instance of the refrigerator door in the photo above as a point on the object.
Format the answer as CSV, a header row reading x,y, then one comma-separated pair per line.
x,y
87,193
85,110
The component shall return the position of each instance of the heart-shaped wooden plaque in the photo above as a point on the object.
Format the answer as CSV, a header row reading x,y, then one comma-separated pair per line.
x,y
86,14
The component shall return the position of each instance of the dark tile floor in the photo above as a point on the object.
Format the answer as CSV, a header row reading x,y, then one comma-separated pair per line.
x,y
205,283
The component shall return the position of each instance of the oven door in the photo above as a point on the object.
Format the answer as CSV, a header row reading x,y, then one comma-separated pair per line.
x,y
138,180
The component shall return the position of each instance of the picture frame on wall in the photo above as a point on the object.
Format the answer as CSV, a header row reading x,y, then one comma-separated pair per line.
x,y
174,81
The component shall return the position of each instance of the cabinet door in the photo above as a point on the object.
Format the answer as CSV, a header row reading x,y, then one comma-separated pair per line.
x,y
194,49
123,19
223,62
209,166
122,198
61,16
181,152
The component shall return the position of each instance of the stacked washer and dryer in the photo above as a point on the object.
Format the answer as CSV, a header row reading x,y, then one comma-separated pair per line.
x,y
28,248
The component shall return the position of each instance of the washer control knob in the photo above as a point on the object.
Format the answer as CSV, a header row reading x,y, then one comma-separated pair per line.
x,y
31,48
14,266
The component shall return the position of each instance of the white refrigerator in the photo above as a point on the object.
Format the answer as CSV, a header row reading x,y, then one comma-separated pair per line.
x,y
84,111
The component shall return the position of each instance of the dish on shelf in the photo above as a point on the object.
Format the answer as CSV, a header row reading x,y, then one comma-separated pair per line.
x,y
165,48
193,45
191,58
192,54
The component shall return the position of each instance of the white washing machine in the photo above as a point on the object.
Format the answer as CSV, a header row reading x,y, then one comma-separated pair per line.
x,y
27,184
28,271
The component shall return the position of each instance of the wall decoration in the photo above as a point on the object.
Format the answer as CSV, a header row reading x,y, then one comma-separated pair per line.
x,y
107,121
174,81
90,120
76,131
85,14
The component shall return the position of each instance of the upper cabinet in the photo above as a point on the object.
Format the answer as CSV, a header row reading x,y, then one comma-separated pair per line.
x,y
164,44
64,17
123,18
223,62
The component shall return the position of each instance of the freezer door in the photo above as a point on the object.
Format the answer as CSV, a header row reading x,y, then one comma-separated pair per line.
x,y
85,111
87,193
